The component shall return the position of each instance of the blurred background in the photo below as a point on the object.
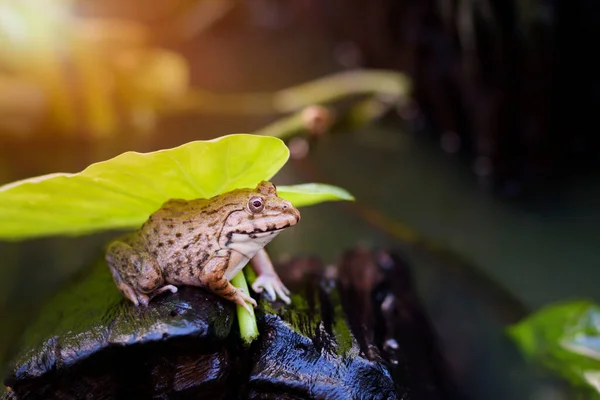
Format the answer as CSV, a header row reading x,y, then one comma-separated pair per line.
x,y
488,178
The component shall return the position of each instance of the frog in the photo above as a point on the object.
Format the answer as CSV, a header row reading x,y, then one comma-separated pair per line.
x,y
204,243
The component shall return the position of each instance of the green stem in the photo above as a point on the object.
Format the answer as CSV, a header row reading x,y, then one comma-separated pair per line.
x,y
385,86
359,114
250,275
383,90
246,320
284,128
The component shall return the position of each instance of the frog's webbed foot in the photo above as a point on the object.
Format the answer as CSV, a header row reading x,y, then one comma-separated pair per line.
x,y
165,288
128,292
273,286
143,299
135,297
267,278
214,279
242,299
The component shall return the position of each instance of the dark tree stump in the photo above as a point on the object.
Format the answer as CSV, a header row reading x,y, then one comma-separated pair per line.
x,y
360,336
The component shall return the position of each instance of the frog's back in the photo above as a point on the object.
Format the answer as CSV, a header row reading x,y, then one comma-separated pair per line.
x,y
177,229
178,211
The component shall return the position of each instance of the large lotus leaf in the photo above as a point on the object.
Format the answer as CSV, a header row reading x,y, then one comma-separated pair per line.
x,y
122,192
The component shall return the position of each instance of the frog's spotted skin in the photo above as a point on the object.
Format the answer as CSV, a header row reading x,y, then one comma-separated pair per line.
x,y
204,242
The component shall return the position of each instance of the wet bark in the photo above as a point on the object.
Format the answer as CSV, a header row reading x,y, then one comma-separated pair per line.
x,y
355,331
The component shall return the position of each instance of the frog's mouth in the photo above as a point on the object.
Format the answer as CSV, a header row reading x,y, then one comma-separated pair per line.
x,y
269,231
250,243
253,234
258,234
262,227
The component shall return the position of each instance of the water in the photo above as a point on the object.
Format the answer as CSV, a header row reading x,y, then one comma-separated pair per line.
x,y
542,253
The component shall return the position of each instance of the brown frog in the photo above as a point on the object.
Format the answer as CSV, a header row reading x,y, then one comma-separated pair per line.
x,y
204,242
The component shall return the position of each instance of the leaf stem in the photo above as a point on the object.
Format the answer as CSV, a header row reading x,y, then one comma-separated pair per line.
x,y
382,89
246,320
379,91
387,85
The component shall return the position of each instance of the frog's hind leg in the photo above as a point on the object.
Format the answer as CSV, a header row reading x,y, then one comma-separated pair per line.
x,y
137,275
213,277
124,288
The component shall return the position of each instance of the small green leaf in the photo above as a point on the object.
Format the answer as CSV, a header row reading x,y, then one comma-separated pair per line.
x,y
312,193
565,338
122,192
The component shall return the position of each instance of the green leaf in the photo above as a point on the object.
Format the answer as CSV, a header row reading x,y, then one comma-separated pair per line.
x,y
122,192
565,338
312,193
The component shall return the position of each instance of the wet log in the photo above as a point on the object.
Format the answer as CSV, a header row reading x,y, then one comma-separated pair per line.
x,y
89,342
353,331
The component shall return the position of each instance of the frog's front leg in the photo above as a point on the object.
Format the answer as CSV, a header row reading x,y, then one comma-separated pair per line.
x,y
268,278
213,277
136,274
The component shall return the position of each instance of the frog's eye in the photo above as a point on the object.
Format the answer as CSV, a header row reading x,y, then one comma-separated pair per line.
x,y
256,204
